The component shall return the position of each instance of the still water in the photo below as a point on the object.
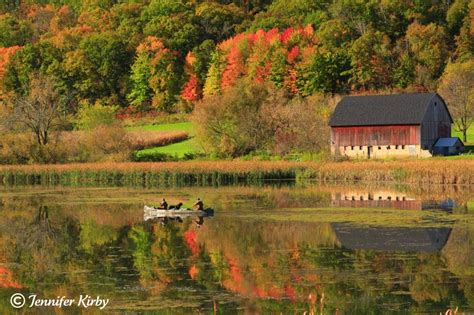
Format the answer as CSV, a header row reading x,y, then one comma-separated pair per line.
x,y
273,249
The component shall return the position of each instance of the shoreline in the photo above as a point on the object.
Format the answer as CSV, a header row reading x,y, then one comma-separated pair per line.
x,y
450,172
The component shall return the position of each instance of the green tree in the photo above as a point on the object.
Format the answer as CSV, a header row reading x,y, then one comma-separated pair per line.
x,y
91,116
141,93
457,88
456,14
428,46
203,54
13,31
328,72
465,41
99,67
213,78
218,21
371,61
158,65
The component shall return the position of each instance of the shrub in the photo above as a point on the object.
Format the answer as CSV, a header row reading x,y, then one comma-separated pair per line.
x,y
91,116
105,143
14,148
260,118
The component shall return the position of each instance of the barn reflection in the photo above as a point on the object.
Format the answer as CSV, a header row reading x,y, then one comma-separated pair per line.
x,y
387,199
391,238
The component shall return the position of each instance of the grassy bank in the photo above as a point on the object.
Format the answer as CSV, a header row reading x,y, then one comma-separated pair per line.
x,y
231,172
186,149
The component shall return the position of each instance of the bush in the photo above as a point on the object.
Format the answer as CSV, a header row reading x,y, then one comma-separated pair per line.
x,y
14,148
91,116
105,143
260,118
21,148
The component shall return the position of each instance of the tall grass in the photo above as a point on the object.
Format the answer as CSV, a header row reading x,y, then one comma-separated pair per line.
x,y
427,171
148,139
149,174
232,172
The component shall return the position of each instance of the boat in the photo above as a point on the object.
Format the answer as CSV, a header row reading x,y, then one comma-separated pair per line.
x,y
151,212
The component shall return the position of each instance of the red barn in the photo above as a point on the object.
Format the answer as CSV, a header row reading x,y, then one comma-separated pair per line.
x,y
389,125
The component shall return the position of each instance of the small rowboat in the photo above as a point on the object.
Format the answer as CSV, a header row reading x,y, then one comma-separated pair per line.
x,y
151,212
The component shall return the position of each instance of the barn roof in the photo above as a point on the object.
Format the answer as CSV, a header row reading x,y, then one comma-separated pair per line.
x,y
448,142
370,110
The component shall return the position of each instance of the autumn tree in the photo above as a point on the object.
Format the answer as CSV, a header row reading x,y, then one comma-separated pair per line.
x,y
429,49
156,81
465,39
457,88
37,110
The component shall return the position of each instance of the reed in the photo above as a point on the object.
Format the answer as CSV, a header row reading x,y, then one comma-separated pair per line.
x,y
428,171
421,172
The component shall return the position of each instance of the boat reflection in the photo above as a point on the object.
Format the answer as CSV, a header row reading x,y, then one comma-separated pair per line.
x,y
165,217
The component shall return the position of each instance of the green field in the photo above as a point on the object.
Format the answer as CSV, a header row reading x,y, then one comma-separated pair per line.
x,y
182,126
470,135
178,150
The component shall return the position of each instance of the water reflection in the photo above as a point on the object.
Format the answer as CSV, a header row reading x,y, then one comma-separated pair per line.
x,y
391,239
387,199
167,216
258,254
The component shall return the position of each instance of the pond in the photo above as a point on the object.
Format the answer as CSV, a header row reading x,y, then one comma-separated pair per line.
x,y
279,248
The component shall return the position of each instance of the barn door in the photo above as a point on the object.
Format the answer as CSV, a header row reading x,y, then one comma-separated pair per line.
x,y
369,151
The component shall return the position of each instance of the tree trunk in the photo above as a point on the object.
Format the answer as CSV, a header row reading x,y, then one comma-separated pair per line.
x,y
464,135
38,137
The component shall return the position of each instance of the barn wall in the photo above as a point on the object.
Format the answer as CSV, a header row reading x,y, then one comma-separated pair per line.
x,y
380,152
375,135
436,123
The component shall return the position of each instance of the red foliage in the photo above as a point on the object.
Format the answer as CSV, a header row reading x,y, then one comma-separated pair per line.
x,y
308,30
190,239
286,35
192,90
290,292
293,54
6,53
6,279
234,69
235,273
272,35
193,271
263,72
190,59
151,44
290,81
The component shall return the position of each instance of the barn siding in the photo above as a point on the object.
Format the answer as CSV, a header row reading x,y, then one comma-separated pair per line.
x,y
375,135
436,123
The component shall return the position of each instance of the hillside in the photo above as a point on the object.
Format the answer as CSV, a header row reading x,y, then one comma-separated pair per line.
x,y
167,54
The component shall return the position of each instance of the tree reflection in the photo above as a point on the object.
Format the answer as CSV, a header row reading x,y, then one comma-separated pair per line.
x,y
256,265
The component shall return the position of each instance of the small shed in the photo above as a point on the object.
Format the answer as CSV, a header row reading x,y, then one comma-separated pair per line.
x,y
448,146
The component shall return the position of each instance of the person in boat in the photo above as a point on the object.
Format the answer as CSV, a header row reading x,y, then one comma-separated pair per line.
x,y
199,205
163,204
176,207
199,222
